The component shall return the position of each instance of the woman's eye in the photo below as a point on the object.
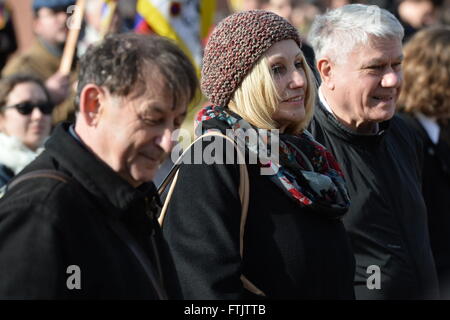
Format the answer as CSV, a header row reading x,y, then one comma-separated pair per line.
x,y
277,69
299,65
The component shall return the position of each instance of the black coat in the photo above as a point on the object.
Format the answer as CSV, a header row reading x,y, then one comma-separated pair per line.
x,y
47,225
289,253
387,220
436,191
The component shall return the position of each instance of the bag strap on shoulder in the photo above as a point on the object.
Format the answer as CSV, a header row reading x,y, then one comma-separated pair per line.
x,y
44,173
244,188
115,226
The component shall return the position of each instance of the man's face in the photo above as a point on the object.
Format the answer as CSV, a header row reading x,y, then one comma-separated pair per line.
x,y
51,25
135,131
367,84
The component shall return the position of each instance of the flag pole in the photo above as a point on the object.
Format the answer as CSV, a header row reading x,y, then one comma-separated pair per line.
x,y
107,23
74,25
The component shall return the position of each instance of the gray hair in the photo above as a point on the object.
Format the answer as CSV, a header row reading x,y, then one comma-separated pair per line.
x,y
335,33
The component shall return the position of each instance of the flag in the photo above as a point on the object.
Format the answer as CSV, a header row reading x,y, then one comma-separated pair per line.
x,y
186,22
106,16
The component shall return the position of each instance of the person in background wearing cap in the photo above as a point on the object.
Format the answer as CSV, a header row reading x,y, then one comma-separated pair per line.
x,y
86,228
295,246
359,56
43,58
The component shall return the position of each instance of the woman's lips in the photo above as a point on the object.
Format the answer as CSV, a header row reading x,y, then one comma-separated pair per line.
x,y
294,99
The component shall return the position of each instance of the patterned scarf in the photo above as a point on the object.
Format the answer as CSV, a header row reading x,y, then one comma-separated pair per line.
x,y
306,172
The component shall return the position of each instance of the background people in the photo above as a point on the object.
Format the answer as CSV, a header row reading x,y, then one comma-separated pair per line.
x,y
43,58
25,122
425,100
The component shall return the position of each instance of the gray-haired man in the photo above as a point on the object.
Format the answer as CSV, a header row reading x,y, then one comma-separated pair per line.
x,y
359,54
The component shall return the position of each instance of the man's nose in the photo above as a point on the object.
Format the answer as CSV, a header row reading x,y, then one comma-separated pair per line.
x,y
392,79
165,140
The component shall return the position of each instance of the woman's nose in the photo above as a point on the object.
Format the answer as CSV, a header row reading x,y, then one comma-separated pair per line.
x,y
297,80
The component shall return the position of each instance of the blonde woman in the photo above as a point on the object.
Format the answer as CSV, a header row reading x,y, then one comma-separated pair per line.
x,y
294,244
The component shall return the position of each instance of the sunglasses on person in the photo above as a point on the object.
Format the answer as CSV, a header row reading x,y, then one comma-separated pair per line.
x,y
25,108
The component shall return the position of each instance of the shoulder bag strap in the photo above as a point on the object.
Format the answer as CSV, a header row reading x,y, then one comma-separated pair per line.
x,y
115,226
44,173
244,188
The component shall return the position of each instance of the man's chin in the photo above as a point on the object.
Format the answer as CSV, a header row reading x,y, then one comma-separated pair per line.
x,y
144,176
383,112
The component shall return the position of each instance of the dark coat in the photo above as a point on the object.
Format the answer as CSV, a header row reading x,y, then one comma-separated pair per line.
x,y
436,191
289,253
387,220
47,225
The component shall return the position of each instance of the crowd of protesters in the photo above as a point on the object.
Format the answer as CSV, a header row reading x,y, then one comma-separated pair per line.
x,y
354,96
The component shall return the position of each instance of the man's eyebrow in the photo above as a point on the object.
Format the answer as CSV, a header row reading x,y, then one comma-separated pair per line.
x,y
378,61
159,110
154,108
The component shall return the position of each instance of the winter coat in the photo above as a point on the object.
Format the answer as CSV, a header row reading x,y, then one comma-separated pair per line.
x,y
50,229
289,252
436,191
387,220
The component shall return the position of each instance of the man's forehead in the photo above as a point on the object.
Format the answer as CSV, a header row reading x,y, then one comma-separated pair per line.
x,y
379,50
159,103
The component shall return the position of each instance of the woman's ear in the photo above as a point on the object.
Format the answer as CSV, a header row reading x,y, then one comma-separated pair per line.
x,y
325,68
90,105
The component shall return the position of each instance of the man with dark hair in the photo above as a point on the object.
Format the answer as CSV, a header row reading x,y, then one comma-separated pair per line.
x,y
80,221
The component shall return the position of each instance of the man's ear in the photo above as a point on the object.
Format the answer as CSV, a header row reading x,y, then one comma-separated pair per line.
x,y
90,104
326,70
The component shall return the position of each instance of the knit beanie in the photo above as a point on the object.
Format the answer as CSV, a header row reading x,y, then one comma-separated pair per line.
x,y
235,46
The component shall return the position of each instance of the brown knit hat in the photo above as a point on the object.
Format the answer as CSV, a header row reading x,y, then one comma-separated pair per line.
x,y
235,46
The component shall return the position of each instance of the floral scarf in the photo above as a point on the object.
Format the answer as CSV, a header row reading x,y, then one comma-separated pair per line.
x,y
305,170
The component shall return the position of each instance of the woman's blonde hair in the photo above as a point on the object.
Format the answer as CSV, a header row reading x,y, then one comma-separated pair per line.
x,y
426,86
257,98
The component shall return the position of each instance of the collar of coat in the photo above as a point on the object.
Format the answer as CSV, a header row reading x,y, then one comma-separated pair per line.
x,y
329,121
95,175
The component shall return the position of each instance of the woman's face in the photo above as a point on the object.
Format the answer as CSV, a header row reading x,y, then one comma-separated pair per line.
x,y
286,63
30,128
